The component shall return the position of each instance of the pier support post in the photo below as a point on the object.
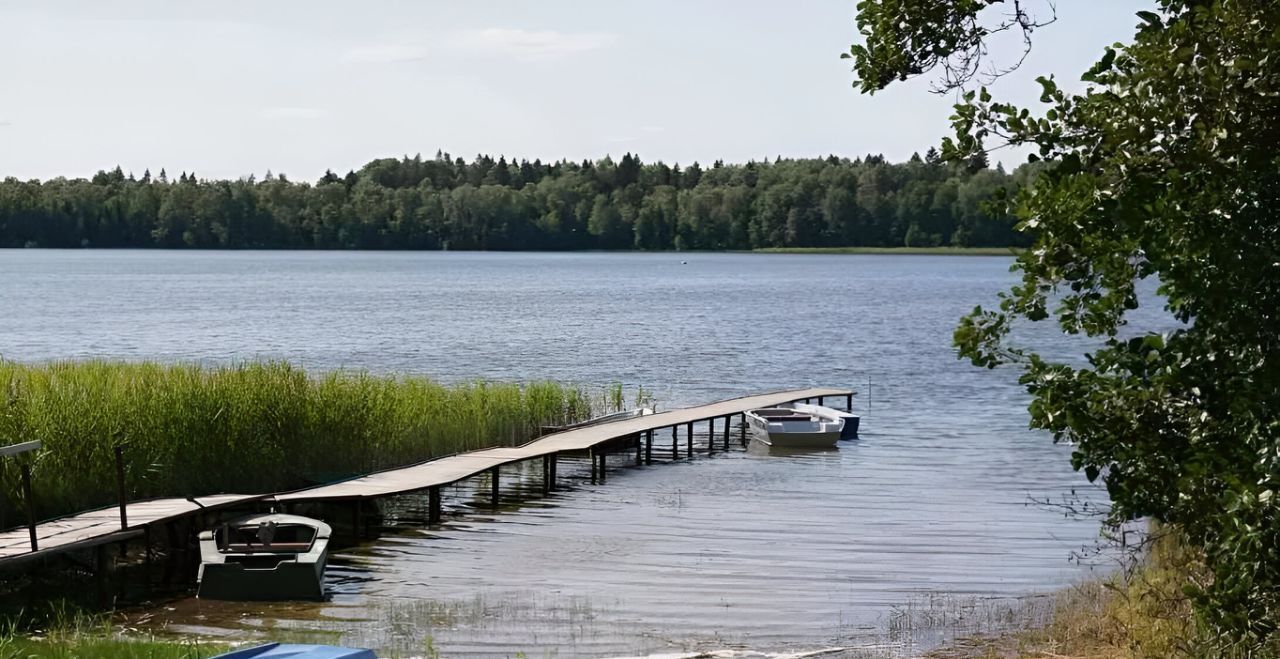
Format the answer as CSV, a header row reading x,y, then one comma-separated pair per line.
x,y
546,473
639,450
711,435
551,481
727,421
675,444
31,506
594,464
355,519
493,486
433,505
848,402
121,495
820,399
648,447
743,428
689,438
603,455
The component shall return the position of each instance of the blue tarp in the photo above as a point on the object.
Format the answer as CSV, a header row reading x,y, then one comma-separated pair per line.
x,y
293,651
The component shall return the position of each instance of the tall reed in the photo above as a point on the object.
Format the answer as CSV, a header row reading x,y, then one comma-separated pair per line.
x,y
252,427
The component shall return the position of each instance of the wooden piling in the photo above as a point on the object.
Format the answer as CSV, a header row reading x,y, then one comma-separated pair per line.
x,y
31,506
675,444
594,465
711,435
639,450
727,421
546,473
121,495
493,486
648,447
433,505
555,459
848,402
689,438
603,455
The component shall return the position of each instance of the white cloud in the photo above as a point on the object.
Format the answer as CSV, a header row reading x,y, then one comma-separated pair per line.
x,y
384,54
530,44
294,113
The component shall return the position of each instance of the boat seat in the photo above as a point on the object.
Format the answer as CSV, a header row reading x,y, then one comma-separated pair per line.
x,y
273,547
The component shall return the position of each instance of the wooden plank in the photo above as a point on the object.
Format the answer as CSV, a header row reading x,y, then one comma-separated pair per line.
x,y
103,525
15,449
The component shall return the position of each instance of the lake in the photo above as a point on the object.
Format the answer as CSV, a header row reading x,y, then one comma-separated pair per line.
x,y
929,514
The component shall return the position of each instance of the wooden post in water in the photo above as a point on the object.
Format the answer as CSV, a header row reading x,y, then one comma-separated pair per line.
x,y
433,504
592,453
603,454
675,444
555,459
727,421
848,402
639,450
546,473
820,399
743,428
689,431
121,495
493,486
711,435
31,505
648,447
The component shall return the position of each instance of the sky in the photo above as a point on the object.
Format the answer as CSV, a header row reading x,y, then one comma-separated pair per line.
x,y
231,88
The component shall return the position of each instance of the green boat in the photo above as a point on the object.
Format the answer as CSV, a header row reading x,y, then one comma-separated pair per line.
x,y
264,558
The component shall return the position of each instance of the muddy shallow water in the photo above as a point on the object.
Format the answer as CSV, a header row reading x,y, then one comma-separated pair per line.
x,y
926,518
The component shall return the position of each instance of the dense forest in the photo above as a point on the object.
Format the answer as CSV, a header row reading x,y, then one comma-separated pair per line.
x,y
487,204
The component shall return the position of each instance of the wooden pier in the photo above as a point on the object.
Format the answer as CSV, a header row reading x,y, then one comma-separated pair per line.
x,y
121,523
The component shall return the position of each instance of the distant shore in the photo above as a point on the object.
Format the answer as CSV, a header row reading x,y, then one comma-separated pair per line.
x,y
932,251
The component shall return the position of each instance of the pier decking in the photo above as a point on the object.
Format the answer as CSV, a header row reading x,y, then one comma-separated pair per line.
x,y
100,527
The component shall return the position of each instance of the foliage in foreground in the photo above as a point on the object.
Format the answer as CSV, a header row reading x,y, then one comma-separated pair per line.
x,y
256,427
1164,168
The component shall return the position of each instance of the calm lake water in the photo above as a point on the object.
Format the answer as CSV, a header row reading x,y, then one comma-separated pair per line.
x,y
927,512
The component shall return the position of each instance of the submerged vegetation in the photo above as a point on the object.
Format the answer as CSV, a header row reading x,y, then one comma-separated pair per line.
x,y
448,203
189,430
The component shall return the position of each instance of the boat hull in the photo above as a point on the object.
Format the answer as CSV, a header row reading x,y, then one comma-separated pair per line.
x,y
286,581
799,440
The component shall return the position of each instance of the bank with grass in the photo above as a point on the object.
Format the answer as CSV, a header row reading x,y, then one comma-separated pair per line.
x,y
188,430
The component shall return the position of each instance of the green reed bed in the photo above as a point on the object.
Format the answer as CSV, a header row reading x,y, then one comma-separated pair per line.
x,y
253,427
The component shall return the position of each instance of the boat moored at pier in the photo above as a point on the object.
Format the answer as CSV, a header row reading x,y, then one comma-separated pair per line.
x,y
784,427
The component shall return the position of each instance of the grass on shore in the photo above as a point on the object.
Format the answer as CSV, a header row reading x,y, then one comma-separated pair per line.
x,y
256,427
1143,614
923,251
64,632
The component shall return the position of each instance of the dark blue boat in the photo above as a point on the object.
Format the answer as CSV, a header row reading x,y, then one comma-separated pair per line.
x,y
294,651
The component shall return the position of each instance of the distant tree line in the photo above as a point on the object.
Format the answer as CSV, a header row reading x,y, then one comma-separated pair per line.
x,y
487,204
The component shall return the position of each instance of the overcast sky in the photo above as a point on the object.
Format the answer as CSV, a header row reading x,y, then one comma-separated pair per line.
x,y
231,88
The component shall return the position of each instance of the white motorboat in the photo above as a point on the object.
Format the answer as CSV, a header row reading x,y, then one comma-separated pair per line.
x,y
851,420
788,428
264,557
